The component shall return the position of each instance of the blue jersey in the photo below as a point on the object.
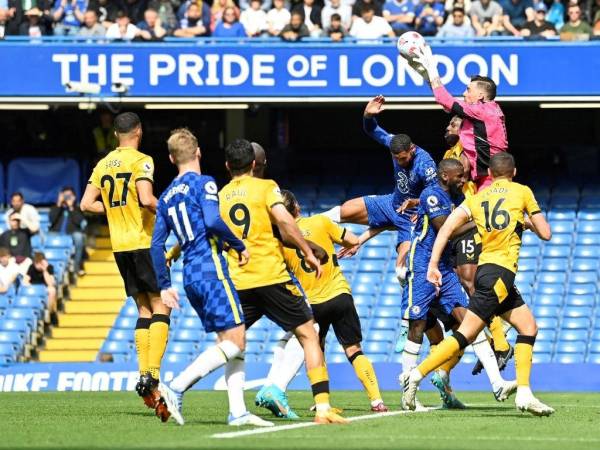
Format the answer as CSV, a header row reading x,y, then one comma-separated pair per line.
x,y
411,180
433,202
190,208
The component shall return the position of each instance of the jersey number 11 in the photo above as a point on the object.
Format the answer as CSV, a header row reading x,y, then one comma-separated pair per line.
x,y
189,234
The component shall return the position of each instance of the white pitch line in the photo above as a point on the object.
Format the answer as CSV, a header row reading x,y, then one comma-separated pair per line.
x,y
294,426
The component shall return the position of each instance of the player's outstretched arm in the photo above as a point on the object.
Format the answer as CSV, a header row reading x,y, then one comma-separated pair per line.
x,y
216,225
291,233
146,195
374,107
89,201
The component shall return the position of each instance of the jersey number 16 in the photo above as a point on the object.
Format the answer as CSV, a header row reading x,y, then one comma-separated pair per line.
x,y
498,219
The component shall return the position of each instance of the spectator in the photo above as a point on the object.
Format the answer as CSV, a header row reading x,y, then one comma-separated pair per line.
x,y
123,28
151,26
36,24
107,11
457,27
91,27
229,26
217,10
30,218
400,15
265,6
429,16
68,15
596,30
277,18
18,242
312,17
254,19
487,17
104,136
358,7
9,271
134,9
575,29
449,5
336,30
516,14
370,26
192,25
539,26
42,272
556,15
166,14
4,29
204,11
67,218
336,7
296,29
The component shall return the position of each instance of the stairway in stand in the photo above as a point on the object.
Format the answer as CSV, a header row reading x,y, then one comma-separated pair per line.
x,y
89,314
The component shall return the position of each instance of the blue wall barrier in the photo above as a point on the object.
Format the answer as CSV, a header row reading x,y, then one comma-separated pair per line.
x,y
39,377
205,69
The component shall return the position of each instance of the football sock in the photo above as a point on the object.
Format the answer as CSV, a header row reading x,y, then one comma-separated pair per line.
x,y
497,330
443,352
159,335
410,354
486,355
366,374
277,363
293,358
142,343
452,362
209,360
523,356
319,383
235,378
334,213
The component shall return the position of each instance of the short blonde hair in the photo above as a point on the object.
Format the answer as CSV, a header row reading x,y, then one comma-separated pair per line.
x,y
182,145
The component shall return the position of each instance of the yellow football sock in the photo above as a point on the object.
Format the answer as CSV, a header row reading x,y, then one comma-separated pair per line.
x,y
443,352
523,358
452,362
366,374
497,330
159,335
319,382
142,343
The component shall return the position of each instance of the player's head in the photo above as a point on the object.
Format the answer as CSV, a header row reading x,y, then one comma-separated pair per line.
x,y
402,148
183,147
502,165
451,174
260,160
4,256
290,202
239,157
17,201
128,127
452,131
480,89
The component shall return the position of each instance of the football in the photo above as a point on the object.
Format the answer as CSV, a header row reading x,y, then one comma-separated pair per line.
x,y
408,43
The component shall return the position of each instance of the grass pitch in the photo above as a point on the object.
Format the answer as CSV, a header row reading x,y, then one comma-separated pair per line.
x,y
70,420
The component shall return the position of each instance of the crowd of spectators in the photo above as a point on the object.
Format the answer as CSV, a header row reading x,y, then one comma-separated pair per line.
x,y
292,20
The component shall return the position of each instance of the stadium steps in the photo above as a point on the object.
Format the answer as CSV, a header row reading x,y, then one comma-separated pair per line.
x,y
88,316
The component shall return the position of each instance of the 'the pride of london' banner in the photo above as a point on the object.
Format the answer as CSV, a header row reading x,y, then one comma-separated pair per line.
x,y
287,70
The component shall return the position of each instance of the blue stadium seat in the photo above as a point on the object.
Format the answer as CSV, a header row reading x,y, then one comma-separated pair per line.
x,y
573,335
4,302
552,277
562,226
550,288
374,253
594,358
34,290
585,265
546,335
582,300
188,335
33,303
546,311
178,358
125,323
28,315
583,277
548,300
8,350
577,311
571,347
565,201
378,357
589,201
529,252
381,336
586,252
554,265
347,265
527,264
531,239
556,251
594,347
542,358
182,347
384,324
543,346
370,347
588,239
56,254
262,324
177,278
386,312
588,226
364,300
58,241
561,239
255,335
575,324
275,334
116,334
525,277
381,240
390,300
129,310
192,323
547,323
568,358
37,243
581,288
366,278
392,289
468,358
117,347
363,311
254,347
525,289
372,265
561,214
595,334
12,337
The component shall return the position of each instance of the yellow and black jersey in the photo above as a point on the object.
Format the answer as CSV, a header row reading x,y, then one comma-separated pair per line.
x,y
455,152
245,205
498,211
116,175
324,232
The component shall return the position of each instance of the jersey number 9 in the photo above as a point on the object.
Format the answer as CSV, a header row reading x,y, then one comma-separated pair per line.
x,y
240,216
